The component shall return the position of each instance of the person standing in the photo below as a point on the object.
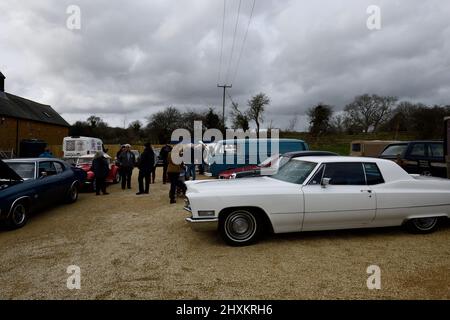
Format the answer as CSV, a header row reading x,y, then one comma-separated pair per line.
x,y
173,172
153,173
146,164
164,155
100,168
191,165
127,161
46,154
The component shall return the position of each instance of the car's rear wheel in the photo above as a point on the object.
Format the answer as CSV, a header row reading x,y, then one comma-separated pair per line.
x,y
117,177
18,216
72,195
422,225
240,227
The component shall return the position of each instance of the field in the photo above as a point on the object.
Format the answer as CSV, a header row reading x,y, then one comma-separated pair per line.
x,y
131,247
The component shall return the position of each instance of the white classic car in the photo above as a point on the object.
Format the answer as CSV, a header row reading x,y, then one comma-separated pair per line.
x,y
319,193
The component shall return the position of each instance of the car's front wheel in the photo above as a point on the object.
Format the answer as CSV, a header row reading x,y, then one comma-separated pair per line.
x,y
240,227
18,216
423,225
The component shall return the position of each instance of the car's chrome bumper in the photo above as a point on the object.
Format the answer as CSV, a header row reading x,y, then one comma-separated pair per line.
x,y
203,224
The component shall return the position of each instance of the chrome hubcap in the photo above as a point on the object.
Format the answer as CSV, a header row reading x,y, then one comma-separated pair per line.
x,y
425,223
19,214
240,226
74,193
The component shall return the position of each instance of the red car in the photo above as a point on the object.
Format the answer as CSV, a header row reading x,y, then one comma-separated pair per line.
x,y
273,161
85,163
230,173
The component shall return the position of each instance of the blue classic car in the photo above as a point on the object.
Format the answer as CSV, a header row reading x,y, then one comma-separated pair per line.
x,y
27,185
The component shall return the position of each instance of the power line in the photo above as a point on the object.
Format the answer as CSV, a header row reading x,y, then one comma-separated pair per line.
x,y
221,43
234,41
243,42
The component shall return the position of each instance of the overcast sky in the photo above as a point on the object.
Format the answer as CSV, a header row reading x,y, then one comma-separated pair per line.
x,y
133,58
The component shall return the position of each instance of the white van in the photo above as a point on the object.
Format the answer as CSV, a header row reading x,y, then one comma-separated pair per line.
x,y
74,147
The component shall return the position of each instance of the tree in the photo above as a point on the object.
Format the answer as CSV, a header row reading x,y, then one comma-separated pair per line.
x,y
163,123
292,124
367,112
239,118
212,120
319,119
256,109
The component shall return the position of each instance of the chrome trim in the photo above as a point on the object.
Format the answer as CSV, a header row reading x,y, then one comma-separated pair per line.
x,y
12,205
203,224
188,209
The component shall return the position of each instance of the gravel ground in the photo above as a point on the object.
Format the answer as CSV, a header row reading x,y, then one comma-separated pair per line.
x,y
131,247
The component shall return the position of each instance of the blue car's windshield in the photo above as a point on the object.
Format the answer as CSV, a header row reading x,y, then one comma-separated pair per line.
x,y
295,171
23,169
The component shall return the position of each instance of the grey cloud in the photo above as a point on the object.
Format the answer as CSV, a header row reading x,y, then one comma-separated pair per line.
x,y
132,59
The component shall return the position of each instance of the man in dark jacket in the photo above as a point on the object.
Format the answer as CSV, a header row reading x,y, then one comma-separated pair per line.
x,y
164,155
146,163
100,168
127,161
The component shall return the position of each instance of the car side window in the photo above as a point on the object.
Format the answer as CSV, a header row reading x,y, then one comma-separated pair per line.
x,y
418,150
345,173
436,150
317,179
373,174
59,167
47,167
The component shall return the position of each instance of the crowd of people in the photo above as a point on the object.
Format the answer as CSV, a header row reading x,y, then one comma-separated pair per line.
x,y
174,173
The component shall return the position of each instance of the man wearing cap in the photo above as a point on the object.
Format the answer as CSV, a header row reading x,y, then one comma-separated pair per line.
x,y
127,161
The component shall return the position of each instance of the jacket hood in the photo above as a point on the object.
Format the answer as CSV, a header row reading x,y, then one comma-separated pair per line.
x,y
7,173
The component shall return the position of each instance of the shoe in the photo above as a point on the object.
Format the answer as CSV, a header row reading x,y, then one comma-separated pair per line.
x,y
97,194
106,193
129,187
146,192
139,193
173,201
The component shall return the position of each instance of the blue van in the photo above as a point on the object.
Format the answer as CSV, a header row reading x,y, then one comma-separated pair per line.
x,y
236,153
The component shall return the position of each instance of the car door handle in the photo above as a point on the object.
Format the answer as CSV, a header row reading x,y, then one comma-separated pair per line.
x,y
369,191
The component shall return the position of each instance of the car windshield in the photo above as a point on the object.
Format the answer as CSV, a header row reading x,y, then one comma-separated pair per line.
x,y
295,171
23,169
394,150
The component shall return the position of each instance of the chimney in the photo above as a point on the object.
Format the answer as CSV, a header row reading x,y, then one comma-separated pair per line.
x,y
2,82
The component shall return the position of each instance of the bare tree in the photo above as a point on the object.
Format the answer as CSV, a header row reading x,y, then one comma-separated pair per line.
x,y
369,112
256,109
239,119
292,124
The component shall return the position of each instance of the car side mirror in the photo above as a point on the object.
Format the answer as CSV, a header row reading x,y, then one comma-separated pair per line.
x,y
325,182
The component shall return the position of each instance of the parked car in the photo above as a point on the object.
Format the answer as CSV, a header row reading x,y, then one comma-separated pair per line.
x,y
27,185
271,164
159,161
419,157
137,156
319,193
232,154
368,148
85,163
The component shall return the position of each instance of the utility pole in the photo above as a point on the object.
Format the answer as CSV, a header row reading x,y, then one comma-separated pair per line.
x,y
223,109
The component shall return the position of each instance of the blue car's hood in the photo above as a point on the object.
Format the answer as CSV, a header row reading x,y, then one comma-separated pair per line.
x,y
7,173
